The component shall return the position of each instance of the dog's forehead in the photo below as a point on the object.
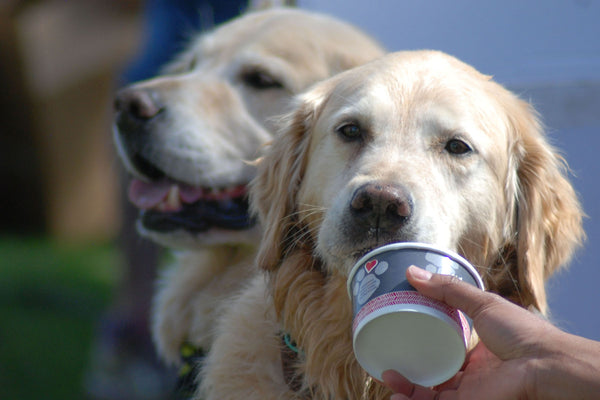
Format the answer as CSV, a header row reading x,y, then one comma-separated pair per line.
x,y
391,94
416,83
293,35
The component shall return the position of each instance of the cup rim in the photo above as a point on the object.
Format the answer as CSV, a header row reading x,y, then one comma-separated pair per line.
x,y
419,246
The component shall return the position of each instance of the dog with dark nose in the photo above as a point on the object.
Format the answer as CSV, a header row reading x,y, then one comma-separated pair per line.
x,y
415,146
189,138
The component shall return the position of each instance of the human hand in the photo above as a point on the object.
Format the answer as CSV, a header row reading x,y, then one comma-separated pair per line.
x,y
512,359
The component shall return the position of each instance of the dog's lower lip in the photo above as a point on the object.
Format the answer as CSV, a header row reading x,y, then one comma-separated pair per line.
x,y
201,216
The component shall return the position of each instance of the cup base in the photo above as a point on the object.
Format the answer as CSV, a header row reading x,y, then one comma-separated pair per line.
x,y
414,341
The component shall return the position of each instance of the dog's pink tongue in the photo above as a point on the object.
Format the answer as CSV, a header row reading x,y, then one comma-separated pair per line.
x,y
146,195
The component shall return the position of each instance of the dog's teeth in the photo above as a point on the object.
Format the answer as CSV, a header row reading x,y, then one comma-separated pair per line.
x,y
172,201
173,198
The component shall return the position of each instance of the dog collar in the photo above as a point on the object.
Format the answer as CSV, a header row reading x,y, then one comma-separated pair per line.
x,y
191,357
290,356
290,344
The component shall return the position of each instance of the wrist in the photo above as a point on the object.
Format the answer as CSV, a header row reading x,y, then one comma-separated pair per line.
x,y
569,368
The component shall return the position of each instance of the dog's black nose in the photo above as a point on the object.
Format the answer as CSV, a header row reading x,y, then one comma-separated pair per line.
x,y
140,104
381,205
136,120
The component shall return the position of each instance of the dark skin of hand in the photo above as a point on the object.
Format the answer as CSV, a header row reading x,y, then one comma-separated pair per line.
x,y
519,355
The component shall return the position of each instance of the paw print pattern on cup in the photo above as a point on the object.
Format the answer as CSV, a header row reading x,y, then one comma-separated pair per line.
x,y
441,265
366,280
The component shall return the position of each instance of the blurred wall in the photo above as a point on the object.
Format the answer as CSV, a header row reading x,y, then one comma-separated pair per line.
x,y
58,67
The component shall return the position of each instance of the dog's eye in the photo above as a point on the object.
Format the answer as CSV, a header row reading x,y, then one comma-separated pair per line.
x,y
457,147
350,131
260,80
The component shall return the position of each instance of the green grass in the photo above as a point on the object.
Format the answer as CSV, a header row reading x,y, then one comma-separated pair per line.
x,y
51,297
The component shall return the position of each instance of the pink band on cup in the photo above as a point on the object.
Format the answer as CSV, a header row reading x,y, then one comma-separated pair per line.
x,y
413,297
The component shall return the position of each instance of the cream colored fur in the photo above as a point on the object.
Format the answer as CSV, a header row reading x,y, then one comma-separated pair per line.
x,y
468,168
214,123
192,292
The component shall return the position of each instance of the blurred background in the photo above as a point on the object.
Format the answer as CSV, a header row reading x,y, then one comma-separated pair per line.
x,y
59,210
62,212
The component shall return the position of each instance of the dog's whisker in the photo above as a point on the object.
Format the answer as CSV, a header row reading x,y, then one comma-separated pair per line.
x,y
309,227
300,235
302,216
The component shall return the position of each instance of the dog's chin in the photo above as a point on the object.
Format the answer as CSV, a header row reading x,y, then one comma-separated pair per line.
x,y
342,259
184,239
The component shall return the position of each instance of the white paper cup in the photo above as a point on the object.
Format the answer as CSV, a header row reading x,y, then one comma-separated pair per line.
x,y
395,327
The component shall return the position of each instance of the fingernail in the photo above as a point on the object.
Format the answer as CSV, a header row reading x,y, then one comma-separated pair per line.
x,y
419,274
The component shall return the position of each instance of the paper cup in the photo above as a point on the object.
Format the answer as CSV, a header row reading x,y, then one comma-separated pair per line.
x,y
395,327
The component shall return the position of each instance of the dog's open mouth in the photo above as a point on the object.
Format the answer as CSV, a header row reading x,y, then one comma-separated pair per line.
x,y
167,206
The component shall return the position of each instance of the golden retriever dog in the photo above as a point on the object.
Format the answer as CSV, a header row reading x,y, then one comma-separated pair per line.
x,y
186,137
415,146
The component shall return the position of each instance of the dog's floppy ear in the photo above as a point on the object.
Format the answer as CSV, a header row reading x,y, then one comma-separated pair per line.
x,y
274,190
548,213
